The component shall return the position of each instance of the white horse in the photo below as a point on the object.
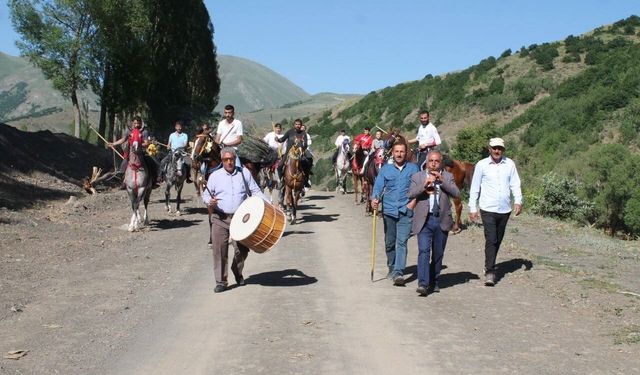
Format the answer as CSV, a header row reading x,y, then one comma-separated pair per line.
x,y
341,167
139,185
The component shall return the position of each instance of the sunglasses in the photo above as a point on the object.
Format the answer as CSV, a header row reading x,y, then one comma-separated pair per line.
x,y
497,148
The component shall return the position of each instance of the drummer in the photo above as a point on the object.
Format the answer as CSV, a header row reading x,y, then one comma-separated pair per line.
x,y
226,188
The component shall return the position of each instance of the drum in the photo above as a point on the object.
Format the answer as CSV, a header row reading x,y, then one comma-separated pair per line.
x,y
257,224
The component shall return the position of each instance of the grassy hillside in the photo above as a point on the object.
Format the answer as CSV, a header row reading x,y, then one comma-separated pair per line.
x,y
250,86
569,107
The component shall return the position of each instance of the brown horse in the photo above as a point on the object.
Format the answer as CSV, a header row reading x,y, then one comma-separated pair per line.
x,y
357,161
206,158
139,185
294,178
394,137
462,172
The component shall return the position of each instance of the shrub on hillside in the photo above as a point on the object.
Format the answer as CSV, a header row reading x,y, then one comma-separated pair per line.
x,y
497,102
544,55
472,142
559,198
496,86
506,53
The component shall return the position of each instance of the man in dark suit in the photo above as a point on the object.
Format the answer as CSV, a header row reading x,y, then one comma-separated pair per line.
x,y
432,219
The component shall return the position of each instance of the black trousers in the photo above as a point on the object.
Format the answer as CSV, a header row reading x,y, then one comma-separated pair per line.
x,y
494,226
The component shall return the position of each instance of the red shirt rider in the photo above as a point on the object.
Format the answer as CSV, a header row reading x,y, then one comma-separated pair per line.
x,y
365,139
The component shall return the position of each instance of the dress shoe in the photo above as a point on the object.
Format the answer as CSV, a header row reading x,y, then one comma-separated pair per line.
x,y
219,289
489,279
422,291
241,282
398,281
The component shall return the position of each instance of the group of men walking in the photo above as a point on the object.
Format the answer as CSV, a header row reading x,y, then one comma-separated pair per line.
x,y
417,200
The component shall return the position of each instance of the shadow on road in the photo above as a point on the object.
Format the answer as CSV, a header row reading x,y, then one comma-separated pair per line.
x,y
318,197
288,233
510,266
172,224
313,218
195,210
288,277
452,279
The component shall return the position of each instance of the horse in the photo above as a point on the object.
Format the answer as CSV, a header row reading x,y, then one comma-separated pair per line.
x,y
357,162
268,178
341,167
371,172
294,178
394,137
138,183
462,172
206,158
176,174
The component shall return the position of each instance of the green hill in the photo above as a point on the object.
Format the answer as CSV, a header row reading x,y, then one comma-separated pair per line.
x,y
569,110
250,86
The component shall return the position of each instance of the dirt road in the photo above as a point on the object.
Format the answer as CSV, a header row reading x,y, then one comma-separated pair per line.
x,y
310,308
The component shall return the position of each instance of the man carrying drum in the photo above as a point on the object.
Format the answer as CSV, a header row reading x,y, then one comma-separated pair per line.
x,y
226,188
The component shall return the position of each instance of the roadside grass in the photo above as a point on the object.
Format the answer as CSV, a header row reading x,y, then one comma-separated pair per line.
x,y
553,264
593,283
627,335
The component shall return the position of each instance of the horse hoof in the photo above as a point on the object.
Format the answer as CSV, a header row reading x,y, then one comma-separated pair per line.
x,y
177,213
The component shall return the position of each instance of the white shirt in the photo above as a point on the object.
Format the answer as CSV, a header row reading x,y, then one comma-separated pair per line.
x,y
224,127
495,183
270,138
308,140
428,135
341,139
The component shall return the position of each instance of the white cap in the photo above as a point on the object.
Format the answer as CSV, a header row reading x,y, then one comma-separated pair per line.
x,y
496,142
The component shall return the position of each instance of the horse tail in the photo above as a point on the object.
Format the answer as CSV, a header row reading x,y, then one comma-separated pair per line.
x,y
468,173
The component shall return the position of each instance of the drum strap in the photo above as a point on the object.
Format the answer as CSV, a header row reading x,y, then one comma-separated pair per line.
x,y
246,185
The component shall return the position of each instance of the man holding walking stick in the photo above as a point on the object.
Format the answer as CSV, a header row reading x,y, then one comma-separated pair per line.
x,y
394,179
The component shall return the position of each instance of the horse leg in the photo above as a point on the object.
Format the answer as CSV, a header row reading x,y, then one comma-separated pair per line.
x,y
135,202
457,224
355,189
178,197
167,195
147,197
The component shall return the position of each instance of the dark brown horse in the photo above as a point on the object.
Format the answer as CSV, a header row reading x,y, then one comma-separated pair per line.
x,y
462,172
376,161
394,137
294,178
357,163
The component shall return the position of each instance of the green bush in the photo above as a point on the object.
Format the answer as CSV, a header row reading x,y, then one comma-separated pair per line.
x,y
472,142
496,86
559,198
496,103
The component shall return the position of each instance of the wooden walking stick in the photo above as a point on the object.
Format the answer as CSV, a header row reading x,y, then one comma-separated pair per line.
x,y
105,141
373,242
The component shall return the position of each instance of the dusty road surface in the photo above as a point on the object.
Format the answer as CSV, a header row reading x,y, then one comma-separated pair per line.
x,y
143,303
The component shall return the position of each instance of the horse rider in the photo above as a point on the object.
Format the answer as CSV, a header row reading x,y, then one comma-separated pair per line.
x,y
229,131
366,142
226,188
290,137
308,154
137,131
427,138
340,139
270,138
177,140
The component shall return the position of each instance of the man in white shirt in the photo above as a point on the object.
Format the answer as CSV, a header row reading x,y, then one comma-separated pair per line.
x,y
495,180
229,132
427,138
270,139
339,141
177,140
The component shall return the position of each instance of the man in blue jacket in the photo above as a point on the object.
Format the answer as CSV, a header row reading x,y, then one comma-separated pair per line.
x,y
391,187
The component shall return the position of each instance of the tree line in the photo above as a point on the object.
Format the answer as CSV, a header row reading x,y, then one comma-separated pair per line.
x,y
155,58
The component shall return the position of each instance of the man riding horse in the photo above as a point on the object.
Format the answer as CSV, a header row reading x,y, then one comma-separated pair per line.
x,y
137,133
291,136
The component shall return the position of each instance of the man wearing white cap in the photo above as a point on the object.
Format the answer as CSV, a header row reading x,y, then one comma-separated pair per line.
x,y
495,180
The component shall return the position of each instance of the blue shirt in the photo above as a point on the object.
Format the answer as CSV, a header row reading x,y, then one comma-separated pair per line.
x,y
495,183
394,182
178,140
229,189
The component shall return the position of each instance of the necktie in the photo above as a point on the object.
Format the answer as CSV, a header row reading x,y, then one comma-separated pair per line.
x,y
436,202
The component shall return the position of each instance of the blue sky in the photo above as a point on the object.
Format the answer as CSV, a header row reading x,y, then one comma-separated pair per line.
x,y
360,46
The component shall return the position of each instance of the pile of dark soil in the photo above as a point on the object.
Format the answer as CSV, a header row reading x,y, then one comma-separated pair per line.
x,y
40,166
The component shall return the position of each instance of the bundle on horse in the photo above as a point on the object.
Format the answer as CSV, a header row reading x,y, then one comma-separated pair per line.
x,y
138,182
294,178
341,167
176,173
357,162
206,158
256,155
462,172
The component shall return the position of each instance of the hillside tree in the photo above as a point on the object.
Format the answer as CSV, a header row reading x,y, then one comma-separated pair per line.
x,y
56,37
